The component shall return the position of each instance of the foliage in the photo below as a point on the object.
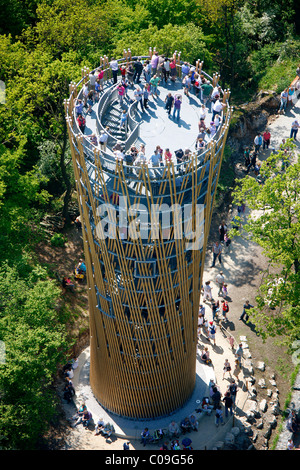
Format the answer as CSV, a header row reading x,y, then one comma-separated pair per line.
x,y
35,342
274,224
227,174
58,240
188,39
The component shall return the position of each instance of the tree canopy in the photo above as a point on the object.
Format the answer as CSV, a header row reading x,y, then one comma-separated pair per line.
x,y
274,224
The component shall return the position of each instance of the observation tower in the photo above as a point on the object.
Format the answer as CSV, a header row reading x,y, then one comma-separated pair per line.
x,y
145,230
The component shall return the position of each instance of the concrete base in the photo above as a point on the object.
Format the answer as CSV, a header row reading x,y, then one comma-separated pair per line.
x,y
131,428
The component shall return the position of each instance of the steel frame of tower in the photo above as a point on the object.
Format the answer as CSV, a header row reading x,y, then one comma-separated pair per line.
x,y
144,292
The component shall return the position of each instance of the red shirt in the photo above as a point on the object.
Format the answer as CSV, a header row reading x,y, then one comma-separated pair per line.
x,y
225,306
266,135
168,156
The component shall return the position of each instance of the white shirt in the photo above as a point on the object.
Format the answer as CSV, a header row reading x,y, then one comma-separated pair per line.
x,y
140,158
217,120
218,106
215,92
119,155
85,90
92,78
220,279
167,65
114,65
103,138
137,95
203,112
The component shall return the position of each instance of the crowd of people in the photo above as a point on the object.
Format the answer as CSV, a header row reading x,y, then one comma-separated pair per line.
x,y
83,415
144,76
209,405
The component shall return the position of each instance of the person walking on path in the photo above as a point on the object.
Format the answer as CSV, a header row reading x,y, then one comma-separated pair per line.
x,y
219,416
114,68
154,82
123,120
154,63
266,139
220,279
130,74
212,332
169,102
145,435
226,368
205,326
294,129
121,93
138,69
177,106
217,252
173,70
283,101
228,402
207,292
103,139
233,391
225,308
200,324
258,142
147,71
239,354
247,157
237,369
222,231
202,310
138,96
146,92
225,291
252,162
246,307
216,396
215,307
217,108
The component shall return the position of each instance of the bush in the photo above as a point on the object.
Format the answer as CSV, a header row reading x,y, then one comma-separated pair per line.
x,y
58,240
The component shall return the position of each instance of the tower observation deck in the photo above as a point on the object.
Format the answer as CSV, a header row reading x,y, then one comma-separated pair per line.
x,y
145,227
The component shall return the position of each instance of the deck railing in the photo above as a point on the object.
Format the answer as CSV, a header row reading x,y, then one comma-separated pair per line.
x,y
107,159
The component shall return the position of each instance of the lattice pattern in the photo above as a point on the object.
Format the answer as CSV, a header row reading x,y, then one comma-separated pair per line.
x,y
143,293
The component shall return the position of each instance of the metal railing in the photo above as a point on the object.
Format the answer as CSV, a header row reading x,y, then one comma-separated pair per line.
x,y
107,160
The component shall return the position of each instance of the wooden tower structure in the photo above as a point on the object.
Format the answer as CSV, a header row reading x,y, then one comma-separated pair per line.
x,y
145,233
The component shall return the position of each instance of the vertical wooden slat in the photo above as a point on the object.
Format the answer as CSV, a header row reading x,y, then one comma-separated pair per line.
x,y
142,367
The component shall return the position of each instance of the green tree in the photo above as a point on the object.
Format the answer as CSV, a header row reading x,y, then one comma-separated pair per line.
x,y
35,92
274,224
35,343
188,39
71,25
